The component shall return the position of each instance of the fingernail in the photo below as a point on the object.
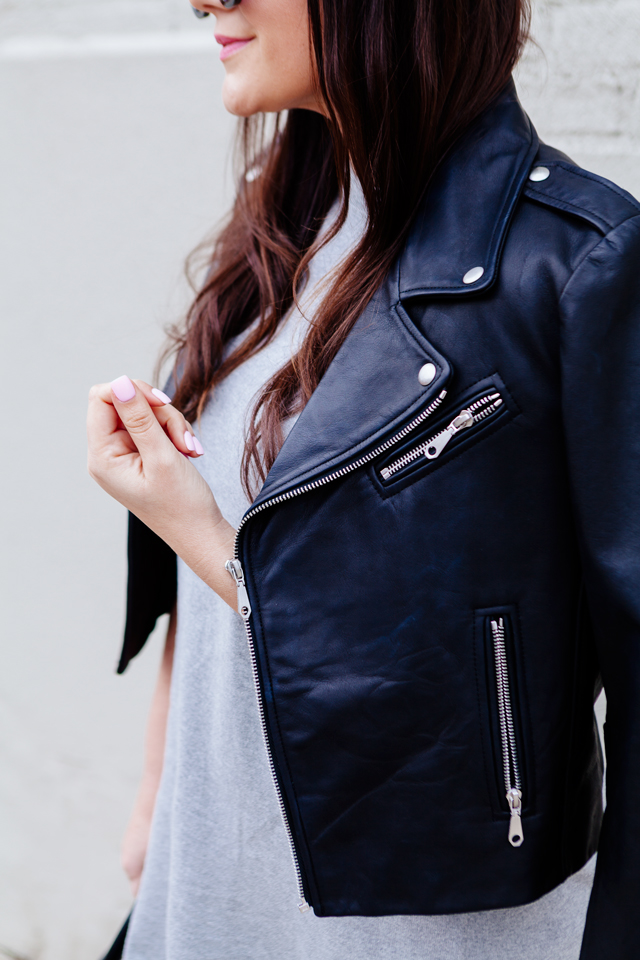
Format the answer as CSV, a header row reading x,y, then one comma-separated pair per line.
x,y
188,439
160,395
198,445
123,389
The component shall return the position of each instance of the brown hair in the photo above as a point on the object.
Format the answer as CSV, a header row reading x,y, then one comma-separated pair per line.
x,y
401,80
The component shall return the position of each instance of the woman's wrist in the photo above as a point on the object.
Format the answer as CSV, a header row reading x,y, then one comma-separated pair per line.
x,y
206,551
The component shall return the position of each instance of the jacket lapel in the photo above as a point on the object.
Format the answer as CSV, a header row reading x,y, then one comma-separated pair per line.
x,y
371,388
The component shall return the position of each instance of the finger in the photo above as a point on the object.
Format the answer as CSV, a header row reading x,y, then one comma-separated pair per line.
x,y
138,418
104,423
155,397
104,427
179,430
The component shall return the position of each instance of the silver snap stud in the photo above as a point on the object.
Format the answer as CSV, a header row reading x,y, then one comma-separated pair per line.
x,y
539,173
472,275
426,374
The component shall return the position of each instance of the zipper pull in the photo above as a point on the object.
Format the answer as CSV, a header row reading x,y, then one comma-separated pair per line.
x,y
514,799
434,449
234,568
303,906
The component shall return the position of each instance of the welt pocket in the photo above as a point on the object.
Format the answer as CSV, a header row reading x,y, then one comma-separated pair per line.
x,y
465,420
504,718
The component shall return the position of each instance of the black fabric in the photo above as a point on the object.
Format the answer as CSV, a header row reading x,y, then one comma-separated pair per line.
x,y
115,951
151,587
373,596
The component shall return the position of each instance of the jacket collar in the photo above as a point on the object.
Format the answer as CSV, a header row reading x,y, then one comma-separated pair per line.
x,y
467,210
372,388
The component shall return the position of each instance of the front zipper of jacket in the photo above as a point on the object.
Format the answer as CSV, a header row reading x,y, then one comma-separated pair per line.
x,y
472,414
509,750
234,568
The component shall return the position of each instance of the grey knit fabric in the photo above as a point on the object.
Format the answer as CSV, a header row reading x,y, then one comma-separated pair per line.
x,y
219,883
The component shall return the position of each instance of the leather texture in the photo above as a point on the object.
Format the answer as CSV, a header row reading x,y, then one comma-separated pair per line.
x,y
372,598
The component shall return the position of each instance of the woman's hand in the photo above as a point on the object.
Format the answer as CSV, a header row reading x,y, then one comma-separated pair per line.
x,y
140,456
136,841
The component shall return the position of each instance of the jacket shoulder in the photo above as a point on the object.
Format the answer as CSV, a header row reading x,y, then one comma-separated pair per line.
x,y
569,188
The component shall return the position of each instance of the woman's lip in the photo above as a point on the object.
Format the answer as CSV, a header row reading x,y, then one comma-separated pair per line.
x,y
231,45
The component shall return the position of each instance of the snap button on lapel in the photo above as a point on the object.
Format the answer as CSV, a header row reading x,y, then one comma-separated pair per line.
x,y
472,275
539,173
426,374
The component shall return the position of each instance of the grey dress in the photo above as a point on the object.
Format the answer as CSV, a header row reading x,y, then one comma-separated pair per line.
x,y
218,882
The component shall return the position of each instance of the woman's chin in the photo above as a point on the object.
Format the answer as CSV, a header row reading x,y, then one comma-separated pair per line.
x,y
240,98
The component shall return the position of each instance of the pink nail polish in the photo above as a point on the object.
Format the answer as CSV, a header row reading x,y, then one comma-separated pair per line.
x,y
199,447
160,395
123,389
188,439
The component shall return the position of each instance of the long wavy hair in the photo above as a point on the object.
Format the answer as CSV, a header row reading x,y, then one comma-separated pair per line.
x,y
401,80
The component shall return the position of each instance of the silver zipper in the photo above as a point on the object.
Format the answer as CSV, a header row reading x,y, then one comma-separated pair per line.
x,y
510,765
433,447
234,568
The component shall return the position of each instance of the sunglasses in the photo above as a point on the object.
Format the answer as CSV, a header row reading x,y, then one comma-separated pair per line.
x,y
227,4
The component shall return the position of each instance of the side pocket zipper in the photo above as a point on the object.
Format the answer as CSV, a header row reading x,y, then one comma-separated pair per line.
x,y
510,763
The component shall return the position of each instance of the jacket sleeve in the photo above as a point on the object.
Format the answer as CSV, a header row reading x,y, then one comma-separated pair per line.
x,y
600,309
151,587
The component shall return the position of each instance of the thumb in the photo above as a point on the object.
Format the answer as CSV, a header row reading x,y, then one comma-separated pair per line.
x,y
137,416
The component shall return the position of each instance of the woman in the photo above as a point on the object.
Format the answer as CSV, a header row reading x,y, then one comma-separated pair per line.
x,y
426,320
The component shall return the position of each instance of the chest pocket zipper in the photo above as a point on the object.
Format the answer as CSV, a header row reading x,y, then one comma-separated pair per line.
x,y
473,414
510,761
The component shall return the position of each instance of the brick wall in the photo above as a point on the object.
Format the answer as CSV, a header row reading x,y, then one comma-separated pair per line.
x,y
581,84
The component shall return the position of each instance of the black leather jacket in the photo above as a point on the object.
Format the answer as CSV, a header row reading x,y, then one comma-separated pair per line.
x,y
445,559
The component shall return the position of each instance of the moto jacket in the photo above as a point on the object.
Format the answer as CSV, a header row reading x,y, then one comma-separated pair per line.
x,y
443,565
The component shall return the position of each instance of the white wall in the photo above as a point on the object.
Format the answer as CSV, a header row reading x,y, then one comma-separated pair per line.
x,y
112,167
